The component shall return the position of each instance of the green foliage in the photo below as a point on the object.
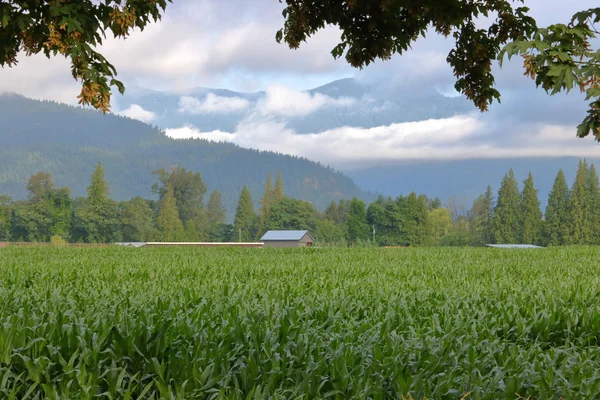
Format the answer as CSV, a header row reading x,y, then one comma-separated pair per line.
x,y
557,219
244,224
374,30
5,217
561,57
592,204
214,209
531,214
169,226
292,214
506,223
357,227
278,193
96,219
440,224
137,221
481,216
57,240
74,29
188,188
578,216
357,323
266,203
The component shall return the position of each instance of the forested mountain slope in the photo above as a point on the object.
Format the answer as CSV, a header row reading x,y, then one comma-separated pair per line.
x,y
68,142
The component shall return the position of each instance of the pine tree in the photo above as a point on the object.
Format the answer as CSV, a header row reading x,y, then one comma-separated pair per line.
x,y
278,193
578,221
481,216
531,214
216,212
593,206
419,215
266,204
98,190
556,224
506,221
245,218
357,227
168,224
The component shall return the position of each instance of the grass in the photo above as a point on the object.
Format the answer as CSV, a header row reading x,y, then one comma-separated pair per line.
x,y
122,323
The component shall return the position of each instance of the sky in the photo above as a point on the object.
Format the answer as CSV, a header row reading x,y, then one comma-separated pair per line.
x,y
231,44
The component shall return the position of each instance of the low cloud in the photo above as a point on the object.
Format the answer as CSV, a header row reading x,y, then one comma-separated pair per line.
x,y
212,104
137,112
283,101
348,148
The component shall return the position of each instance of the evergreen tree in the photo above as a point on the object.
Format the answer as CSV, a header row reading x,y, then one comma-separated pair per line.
x,y
5,218
169,226
531,214
556,224
593,206
266,204
357,227
481,216
96,219
278,193
506,222
215,211
245,218
578,218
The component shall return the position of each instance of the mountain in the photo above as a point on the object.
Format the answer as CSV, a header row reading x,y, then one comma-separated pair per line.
x,y
366,106
464,179
68,141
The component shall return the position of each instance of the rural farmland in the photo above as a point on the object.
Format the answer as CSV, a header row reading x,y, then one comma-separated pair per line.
x,y
237,323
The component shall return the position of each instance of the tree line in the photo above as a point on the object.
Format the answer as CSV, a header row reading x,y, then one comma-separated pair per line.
x,y
181,214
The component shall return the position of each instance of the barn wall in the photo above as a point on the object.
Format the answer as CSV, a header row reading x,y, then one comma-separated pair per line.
x,y
283,244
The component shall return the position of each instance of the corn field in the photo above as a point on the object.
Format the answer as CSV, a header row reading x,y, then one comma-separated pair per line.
x,y
184,323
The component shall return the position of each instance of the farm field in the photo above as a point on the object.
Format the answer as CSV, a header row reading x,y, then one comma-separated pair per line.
x,y
435,323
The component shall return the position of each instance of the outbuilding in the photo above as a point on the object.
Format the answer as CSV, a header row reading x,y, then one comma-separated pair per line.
x,y
287,239
514,246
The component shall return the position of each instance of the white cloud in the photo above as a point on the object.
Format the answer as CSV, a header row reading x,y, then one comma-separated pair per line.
x,y
137,112
283,101
212,104
347,148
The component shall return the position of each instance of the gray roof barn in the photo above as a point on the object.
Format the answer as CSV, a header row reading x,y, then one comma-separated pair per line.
x,y
514,246
287,239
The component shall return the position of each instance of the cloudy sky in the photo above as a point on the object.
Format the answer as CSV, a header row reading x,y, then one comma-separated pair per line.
x,y
231,44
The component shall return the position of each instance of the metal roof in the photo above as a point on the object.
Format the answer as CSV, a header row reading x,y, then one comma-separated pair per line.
x,y
514,246
284,236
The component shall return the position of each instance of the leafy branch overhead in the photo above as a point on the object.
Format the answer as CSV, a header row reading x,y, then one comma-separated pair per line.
x,y
561,57
379,29
73,29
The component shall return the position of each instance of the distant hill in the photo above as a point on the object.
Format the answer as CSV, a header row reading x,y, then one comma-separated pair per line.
x,y
464,178
373,106
68,141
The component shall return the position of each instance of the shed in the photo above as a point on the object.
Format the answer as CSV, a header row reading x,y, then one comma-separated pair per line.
x,y
514,246
287,239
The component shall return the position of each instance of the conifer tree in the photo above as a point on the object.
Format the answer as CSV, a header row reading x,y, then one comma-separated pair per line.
x,y
556,224
97,221
266,204
418,213
593,206
531,214
215,211
245,218
278,193
578,218
5,217
506,221
169,226
481,216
